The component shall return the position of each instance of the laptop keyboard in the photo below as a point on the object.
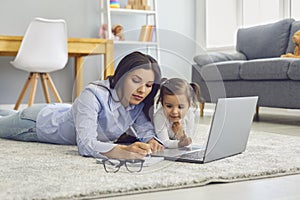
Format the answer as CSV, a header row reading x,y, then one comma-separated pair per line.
x,y
197,155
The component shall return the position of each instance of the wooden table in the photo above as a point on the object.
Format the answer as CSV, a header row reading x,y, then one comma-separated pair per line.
x,y
77,48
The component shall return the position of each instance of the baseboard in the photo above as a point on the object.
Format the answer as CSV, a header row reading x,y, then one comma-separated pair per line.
x,y
208,109
11,106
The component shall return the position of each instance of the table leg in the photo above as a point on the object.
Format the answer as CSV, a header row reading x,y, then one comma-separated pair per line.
x,y
78,75
109,60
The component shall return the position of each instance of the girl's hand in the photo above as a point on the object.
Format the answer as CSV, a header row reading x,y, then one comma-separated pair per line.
x,y
184,141
178,130
136,150
155,146
176,126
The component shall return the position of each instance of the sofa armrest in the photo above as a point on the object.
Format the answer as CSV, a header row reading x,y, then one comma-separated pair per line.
x,y
214,57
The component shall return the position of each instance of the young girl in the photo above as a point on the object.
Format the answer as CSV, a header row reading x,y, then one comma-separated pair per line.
x,y
99,116
174,121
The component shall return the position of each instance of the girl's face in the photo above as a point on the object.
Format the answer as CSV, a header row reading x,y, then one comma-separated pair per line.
x,y
137,85
175,107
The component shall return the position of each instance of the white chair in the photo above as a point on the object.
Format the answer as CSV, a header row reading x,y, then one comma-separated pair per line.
x,y
44,49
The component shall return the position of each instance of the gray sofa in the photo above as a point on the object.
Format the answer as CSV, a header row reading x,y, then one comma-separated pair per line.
x,y
255,68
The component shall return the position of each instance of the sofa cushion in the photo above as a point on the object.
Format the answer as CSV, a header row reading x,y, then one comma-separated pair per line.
x,y
294,70
228,70
265,69
291,46
264,41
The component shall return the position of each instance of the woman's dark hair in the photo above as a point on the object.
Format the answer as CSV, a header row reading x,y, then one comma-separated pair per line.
x,y
177,86
133,61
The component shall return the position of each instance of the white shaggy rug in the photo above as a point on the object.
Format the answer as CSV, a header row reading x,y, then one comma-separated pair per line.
x,y
46,171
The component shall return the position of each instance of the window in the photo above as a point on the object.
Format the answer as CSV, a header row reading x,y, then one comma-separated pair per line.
x,y
295,5
257,12
224,17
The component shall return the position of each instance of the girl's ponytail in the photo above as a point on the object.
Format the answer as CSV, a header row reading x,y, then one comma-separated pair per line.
x,y
196,94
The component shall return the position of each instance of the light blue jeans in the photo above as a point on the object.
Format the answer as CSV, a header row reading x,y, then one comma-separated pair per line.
x,y
20,125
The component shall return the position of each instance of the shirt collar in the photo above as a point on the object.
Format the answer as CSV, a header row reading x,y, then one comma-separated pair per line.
x,y
116,103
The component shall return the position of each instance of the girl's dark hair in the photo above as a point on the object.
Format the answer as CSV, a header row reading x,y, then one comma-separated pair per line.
x,y
133,61
177,86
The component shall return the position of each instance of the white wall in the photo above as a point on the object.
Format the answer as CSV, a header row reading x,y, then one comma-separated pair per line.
x,y
176,23
176,20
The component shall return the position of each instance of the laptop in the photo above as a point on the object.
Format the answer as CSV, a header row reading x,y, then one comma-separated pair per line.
x,y
228,134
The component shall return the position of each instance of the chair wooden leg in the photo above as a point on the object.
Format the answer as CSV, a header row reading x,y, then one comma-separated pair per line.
x,y
53,89
29,79
45,87
201,109
256,117
33,88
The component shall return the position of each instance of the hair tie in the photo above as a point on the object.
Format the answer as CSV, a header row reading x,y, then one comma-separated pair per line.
x,y
164,82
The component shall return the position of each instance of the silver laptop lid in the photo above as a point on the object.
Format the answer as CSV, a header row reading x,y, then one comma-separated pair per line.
x,y
230,127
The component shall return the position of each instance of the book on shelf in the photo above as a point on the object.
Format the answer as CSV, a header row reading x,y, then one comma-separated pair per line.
x,y
147,33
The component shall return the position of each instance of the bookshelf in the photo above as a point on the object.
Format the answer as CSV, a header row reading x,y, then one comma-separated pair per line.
x,y
139,25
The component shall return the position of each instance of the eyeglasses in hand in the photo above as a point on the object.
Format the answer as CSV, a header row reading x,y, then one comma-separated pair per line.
x,y
114,165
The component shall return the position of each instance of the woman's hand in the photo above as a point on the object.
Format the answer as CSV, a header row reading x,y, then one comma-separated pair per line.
x,y
184,141
136,150
155,146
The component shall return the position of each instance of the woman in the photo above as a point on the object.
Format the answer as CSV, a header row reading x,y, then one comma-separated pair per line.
x,y
99,116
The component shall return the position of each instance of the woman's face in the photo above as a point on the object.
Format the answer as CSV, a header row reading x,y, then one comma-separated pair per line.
x,y
175,107
137,86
